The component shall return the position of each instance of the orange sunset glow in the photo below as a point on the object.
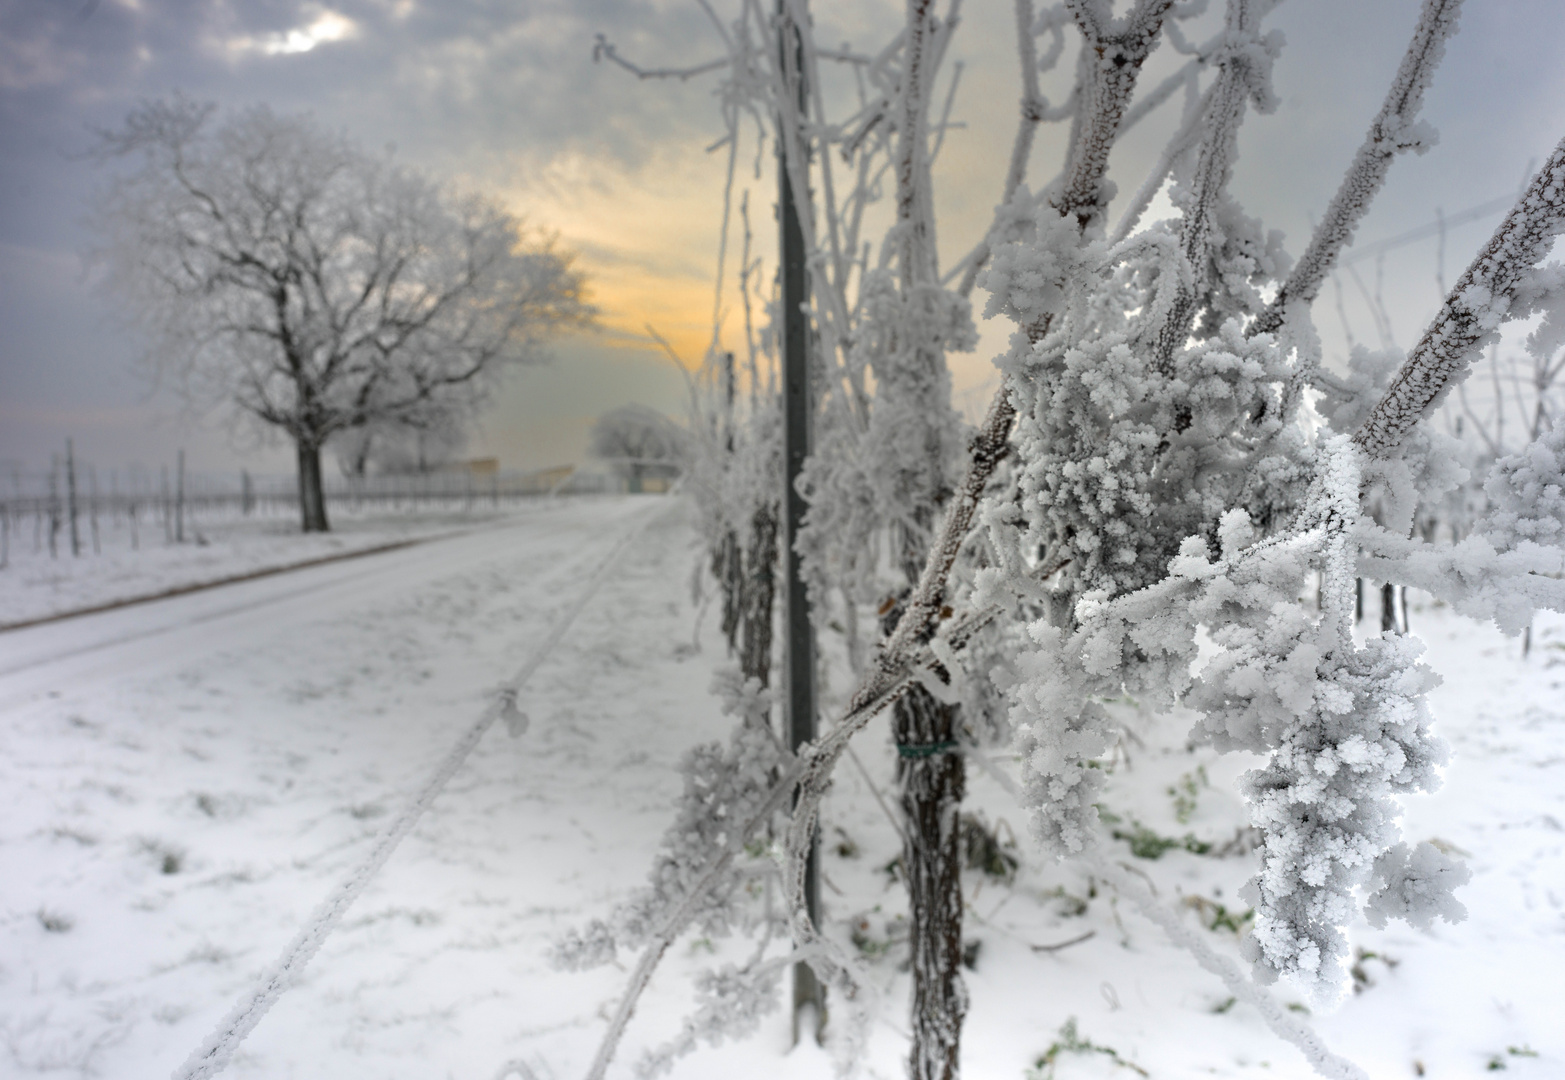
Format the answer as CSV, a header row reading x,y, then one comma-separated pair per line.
x,y
647,239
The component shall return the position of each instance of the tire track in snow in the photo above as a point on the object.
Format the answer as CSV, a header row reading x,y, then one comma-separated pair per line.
x,y
219,1047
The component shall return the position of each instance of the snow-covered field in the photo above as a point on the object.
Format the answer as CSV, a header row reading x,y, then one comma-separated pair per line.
x,y
183,781
35,584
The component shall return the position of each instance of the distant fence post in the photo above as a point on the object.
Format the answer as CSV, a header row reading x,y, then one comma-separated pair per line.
x,y
246,493
70,497
92,506
179,502
54,506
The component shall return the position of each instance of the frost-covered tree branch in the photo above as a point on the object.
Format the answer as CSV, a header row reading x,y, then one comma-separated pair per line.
x,y
1484,296
1112,58
1395,129
1244,75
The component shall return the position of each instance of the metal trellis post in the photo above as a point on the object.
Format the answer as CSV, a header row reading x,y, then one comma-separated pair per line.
x,y
797,411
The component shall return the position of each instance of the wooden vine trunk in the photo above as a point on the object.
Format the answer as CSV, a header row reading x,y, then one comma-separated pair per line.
x,y
933,784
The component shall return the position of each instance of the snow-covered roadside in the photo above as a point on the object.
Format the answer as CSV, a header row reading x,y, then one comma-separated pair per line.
x,y
36,586
164,832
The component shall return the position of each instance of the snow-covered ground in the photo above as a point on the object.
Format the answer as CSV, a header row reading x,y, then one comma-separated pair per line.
x,y
36,585
181,783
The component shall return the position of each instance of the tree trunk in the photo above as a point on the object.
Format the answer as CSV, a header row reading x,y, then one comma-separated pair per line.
x,y
728,569
933,784
312,495
934,781
758,588
92,506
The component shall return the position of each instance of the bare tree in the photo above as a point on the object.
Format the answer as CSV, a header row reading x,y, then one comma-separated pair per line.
x,y
639,442
403,445
314,288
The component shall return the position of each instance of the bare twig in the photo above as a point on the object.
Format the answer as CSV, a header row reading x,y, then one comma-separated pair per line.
x,y
880,799
603,49
1057,946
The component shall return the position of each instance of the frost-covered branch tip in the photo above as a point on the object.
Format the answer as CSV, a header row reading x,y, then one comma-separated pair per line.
x,y
603,49
1480,301
1116,52
1245,76
1394,130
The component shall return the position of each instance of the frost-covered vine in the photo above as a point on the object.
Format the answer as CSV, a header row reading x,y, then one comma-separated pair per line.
x,y
1166,459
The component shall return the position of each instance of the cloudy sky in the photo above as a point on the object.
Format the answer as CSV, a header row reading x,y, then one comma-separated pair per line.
x,y
502,96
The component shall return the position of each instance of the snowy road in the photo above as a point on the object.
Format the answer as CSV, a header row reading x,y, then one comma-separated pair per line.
x,y
144,637
182,781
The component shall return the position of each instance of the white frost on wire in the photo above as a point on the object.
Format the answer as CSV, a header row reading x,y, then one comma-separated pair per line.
x,y
215,1052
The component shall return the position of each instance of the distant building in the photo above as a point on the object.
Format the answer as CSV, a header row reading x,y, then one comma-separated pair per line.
x,y
484,466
